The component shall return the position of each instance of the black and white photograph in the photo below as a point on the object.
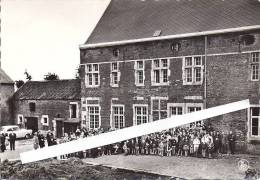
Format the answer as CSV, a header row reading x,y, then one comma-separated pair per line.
x,y
129,89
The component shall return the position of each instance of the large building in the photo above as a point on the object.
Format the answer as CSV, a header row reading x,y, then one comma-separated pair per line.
x,y
147,60
48,105
6,93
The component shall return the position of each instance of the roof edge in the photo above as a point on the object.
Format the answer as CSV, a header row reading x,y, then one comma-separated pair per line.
x,y
202,33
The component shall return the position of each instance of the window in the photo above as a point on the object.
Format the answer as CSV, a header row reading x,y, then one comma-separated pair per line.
x,y
193,107
140,114
94,116
192,70
118,116
92,75
115,74
45,120
160,72
175,109
139,73
255,60
73,110
255,121
20,119
159,108
32,106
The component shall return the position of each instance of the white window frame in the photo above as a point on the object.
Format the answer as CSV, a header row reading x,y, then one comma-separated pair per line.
x,y
88,115
250,120
159,106
175,105
18,119
112,120
42,120
77,109
113,72
137,70
160,68
195,105
255,64
92,72
193,66
134,113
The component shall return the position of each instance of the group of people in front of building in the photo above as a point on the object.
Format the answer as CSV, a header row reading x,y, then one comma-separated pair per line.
x,y
6,139
198,142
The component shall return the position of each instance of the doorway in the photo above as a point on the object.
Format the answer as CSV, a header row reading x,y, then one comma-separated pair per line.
x,y
32,123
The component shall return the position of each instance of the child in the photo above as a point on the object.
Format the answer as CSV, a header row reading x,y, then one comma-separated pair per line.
x,y
125,148
210,148
180,146
136,146
196,144
168,148
173,144
160,148
186,146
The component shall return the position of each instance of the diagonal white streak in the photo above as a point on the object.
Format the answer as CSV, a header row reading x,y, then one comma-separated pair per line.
x,y
130,132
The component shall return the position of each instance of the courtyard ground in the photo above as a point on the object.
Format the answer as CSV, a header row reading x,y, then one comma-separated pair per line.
x,y
225,167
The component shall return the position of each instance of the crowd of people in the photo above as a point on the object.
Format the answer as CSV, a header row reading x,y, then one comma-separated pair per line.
x,y
198,142
183,141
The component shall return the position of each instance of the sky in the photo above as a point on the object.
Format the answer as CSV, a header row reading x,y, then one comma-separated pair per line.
x,y
43,36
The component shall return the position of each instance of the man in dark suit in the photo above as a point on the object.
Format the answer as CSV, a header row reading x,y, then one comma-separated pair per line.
x,y
231,142
12,138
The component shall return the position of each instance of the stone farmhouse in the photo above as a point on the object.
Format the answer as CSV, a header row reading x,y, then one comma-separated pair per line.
x,y
48,105
148,60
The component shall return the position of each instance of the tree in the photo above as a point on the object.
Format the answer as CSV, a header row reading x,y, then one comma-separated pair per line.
x,y
28,76
51,77
19,83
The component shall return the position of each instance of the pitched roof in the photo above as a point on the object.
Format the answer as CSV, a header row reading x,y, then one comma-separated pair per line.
x,y
136,19
49,90
4,78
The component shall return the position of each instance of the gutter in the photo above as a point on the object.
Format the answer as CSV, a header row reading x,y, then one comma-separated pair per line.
x,y
203,33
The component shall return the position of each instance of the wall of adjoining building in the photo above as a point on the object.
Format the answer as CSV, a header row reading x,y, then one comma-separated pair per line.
x,y
6,92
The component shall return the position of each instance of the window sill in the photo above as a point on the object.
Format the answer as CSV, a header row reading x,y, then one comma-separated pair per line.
x,y
93,86
254,80
139,85
192,83
114,85
161,84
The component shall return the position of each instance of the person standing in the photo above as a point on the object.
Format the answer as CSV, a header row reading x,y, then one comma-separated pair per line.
x,y
12,138
49,138
2,142
35,141
41,140
231,142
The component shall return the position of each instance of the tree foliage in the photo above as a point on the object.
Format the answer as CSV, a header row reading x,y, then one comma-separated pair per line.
x,y
19,83
51,77
28,76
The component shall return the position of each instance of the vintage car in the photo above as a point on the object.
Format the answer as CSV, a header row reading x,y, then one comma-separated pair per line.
x,y
20,132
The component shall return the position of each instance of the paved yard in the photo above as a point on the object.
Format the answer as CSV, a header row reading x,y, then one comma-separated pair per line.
x,y
185,167
22,145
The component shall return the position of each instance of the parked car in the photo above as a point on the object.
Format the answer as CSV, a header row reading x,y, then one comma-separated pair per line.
x,y
20,132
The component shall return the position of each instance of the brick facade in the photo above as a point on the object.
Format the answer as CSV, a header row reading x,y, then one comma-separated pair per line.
x,y
226,60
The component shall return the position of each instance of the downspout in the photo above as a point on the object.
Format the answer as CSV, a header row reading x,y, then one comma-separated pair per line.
x,y
205,73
